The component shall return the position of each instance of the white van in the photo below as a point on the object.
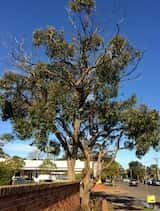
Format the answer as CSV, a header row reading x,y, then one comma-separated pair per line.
x,y
44,178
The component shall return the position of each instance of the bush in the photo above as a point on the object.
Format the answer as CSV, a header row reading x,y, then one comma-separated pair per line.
x,y
78,176
8,168
5,174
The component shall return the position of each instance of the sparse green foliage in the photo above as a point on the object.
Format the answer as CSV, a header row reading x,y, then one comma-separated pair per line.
x,y
110,66
2,153
147,134
53,41
80,5
3,139
6,137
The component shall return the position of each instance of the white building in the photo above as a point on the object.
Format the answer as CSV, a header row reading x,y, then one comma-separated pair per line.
x,y
61,165
33,167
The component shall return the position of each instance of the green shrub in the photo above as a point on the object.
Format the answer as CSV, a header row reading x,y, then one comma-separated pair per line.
x,y
78,176
5,174
9,168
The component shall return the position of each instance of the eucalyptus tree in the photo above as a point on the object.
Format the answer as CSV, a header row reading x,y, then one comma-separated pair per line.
x,y
153,171
74,96
112,171
137,170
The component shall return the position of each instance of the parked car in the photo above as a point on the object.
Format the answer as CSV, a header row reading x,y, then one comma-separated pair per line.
x,y
44,178
20,180
62,177
108,182
151,182
133,182
126,180
156,182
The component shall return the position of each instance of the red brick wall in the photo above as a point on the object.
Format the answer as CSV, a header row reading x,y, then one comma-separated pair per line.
x,y
42,197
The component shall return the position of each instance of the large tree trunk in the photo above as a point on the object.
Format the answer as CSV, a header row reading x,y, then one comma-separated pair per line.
x,y
99,164
71,172
86,185
71,160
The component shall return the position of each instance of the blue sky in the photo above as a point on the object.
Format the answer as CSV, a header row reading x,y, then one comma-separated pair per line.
x,y
139,21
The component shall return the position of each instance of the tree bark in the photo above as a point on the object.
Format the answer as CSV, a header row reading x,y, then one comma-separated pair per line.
x,y
86,185
99,165
71,172
76,129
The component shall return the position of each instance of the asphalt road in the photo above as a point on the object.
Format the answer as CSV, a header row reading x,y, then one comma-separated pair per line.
x,y
141,191
133,198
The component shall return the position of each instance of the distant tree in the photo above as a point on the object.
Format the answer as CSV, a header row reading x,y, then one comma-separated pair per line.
x,y
74,95
47,165
136,170
123,172
16,164
111,171
9,168
152,171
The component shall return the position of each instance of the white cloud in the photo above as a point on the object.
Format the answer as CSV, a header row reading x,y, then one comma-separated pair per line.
x,y
19,149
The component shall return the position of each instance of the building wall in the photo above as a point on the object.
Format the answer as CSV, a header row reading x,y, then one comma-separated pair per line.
x,y
61,165
42,197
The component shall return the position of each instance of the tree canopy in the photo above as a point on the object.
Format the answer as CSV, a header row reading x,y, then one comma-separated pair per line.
x,y
136,170
75,96
153,171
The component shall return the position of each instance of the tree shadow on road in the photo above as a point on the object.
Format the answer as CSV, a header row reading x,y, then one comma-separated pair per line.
x,y
120,202
124,202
